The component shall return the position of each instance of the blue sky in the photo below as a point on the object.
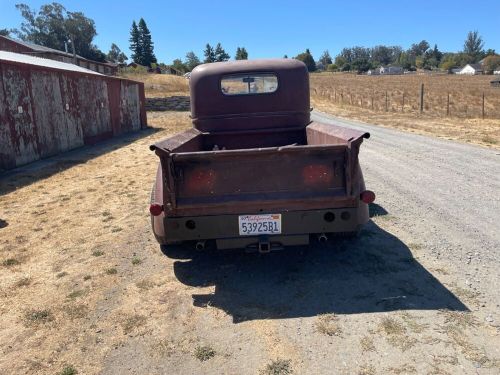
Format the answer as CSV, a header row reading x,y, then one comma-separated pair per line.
x,y
274,28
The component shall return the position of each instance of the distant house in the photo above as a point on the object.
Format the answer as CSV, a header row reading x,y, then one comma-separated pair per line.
x,y
373,72
385,70
495,82
320,66
25,48
497,71
471,69
455,70
392,70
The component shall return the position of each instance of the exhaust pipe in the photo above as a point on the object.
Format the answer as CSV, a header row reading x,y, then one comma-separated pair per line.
x,y
200,245
322,238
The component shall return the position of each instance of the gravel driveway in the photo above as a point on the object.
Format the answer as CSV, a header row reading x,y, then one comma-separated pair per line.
x,y
446,196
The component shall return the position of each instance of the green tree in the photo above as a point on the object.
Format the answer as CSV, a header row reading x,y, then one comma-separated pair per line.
x,y
404,60
488,52
241,54
116,55
55,27
147,47
135,45
192,61
285,56
491,63
209,54
220,53
325,59
340,61
178,65
307,59
4,32
473,45
418,49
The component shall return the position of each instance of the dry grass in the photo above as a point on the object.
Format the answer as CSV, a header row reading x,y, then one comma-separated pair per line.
x,y
328,324
351,96
58,282
204,353
367,344
278,367
160,85
396,333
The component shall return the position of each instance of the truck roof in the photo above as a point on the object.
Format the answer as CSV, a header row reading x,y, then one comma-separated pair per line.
x,y
277,95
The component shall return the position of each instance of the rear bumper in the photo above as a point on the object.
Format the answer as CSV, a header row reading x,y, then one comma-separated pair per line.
x,y
294,223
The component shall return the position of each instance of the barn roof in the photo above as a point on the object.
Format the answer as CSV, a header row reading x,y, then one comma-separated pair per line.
x,y
38,61
38,48
476,66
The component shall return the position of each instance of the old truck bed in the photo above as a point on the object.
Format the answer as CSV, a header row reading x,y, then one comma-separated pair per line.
x,y
257,171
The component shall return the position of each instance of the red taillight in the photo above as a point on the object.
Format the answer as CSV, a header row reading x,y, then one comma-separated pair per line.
x,y
155,209
200,180
367,196
317,174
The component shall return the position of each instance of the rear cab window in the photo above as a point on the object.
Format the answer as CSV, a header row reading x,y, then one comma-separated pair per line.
x,y
249,84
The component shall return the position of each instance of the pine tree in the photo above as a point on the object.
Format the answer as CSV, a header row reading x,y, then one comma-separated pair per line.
x,y
220,53
241,54
325,59
209,54
147,50
135,46
473,45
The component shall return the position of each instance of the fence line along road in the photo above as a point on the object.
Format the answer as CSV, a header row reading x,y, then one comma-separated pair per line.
x,y
451,103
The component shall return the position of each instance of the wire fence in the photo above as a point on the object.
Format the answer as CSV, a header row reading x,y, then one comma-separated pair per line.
x,y
415,99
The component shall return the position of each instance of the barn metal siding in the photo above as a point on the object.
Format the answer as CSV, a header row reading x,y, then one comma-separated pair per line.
x,y
45,111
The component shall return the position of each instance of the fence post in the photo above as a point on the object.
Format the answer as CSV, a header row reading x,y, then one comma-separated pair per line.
x,y
372,100
403,104
483,106
448,105
422,98
386,102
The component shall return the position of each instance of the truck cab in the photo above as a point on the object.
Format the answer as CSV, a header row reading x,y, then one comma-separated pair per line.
x,y
254,171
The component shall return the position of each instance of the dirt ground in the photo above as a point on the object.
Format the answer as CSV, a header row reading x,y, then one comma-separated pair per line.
x,y
84,287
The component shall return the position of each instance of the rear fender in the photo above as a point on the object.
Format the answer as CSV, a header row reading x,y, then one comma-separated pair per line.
x,y
157,197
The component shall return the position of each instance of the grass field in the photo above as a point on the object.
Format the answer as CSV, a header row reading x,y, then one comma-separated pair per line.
x,y
394,101
160,85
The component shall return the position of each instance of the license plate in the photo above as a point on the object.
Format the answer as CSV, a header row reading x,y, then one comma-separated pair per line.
x,y
251,225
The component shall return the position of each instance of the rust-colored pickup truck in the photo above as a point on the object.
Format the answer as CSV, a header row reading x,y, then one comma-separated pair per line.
x,y
254,172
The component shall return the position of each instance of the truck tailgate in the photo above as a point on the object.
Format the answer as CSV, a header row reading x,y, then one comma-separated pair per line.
x,y
267,175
